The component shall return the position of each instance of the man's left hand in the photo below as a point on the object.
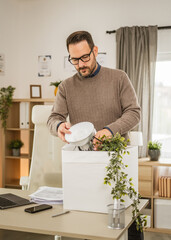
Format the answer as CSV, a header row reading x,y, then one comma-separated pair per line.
x,y
100,134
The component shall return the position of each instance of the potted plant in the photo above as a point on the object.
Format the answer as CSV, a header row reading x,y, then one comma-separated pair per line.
x,y
15,145
154,150
56,84
6,95
118,179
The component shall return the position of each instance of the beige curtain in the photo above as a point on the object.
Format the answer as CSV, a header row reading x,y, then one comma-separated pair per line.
x,y
136,55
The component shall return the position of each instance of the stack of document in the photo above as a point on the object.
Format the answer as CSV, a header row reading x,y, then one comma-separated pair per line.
x,y
48,195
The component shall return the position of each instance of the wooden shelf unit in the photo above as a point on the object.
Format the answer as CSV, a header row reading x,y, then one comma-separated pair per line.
x,y
15,167
149,172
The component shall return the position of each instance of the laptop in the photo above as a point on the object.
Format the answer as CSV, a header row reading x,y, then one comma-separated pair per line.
x,y
9,200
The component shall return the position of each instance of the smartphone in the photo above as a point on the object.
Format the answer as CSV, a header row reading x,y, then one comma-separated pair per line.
x,y
38,208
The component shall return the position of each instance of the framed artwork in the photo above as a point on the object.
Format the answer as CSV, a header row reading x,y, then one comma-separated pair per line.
x,y
44,64
35,91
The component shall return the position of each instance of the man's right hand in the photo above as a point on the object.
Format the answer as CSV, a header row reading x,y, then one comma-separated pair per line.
x,y
63,129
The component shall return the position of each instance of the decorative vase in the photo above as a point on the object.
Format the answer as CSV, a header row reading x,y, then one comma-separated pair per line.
x,y
16,152
154,154
116,216
55,91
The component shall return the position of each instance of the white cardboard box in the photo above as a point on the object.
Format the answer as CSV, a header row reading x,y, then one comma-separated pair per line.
x,y
83,175
162,213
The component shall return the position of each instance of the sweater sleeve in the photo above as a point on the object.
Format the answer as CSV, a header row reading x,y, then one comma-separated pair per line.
x,y
59,111
130,108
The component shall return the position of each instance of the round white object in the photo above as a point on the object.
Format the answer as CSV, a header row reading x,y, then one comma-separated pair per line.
x,y
79,133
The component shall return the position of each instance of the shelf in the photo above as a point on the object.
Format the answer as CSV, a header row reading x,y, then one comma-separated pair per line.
x,y
162,162
15,186
145,196
13,183
36,100
20,129
17,129
149,172
16,166
26,156
156,195
158,230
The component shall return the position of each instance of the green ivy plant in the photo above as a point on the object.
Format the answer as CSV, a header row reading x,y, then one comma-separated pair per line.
x,y
117,178
6,95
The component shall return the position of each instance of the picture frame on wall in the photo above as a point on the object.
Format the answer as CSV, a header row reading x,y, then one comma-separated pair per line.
x,y
44,65
35,91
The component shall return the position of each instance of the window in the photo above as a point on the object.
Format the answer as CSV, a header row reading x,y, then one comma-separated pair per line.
x,y
162,106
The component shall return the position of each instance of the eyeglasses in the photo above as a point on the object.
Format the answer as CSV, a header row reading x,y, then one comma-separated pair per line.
x,y
84,58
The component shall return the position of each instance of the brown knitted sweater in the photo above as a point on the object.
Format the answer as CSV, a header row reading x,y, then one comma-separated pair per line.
x,y
107,99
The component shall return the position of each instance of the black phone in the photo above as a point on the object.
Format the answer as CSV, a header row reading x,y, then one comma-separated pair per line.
x,y
38,208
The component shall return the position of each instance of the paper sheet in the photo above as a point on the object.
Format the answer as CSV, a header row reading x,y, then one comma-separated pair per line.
x,y
48,195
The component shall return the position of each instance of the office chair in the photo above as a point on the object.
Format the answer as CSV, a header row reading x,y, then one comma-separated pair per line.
x,y
46,165
46,161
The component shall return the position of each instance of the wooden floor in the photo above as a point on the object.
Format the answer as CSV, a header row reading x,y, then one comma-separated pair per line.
x,y
14,235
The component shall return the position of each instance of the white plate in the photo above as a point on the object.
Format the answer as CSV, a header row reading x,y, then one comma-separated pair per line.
x,y
79,132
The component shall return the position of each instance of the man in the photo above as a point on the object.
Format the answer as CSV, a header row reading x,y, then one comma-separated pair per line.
x,y
102,96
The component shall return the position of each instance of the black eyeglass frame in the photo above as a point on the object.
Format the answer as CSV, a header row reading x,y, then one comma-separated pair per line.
x,y
80,58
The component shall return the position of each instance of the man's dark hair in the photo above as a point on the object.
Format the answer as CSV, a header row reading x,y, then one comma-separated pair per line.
x,y
79,36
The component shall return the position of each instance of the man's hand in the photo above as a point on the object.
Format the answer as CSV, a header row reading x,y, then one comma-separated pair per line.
x,y
100,134
63,129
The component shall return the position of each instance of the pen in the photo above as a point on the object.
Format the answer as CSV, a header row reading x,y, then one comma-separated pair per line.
x,y
56,215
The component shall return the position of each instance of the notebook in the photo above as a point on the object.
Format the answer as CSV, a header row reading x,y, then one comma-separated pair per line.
x,y
10,200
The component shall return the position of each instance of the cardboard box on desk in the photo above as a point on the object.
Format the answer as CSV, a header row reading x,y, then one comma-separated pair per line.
x,y
83,174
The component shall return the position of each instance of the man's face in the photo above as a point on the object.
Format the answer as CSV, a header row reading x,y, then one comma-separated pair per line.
x,y
81,49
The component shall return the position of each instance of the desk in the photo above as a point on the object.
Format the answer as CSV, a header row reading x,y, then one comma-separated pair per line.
x,y
75,224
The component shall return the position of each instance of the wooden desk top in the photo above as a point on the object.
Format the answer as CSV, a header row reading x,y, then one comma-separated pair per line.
x,y
74,224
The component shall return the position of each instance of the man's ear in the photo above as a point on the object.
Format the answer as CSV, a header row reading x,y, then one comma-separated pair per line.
x,y
95,50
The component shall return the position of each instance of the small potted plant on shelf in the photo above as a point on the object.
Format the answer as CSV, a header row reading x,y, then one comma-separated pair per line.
x,y
154,150
6,95
16,145
56,84
118,180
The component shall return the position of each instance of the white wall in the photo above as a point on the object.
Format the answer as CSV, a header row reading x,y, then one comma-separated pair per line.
x,y
29,28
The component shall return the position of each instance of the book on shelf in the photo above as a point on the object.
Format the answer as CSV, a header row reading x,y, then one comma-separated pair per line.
x,y
169,187
160,186
165,187
24,115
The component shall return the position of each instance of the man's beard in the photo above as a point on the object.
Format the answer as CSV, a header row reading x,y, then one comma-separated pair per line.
x,y
91,70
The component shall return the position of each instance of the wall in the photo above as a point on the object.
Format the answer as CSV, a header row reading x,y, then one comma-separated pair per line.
x,y
29,28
